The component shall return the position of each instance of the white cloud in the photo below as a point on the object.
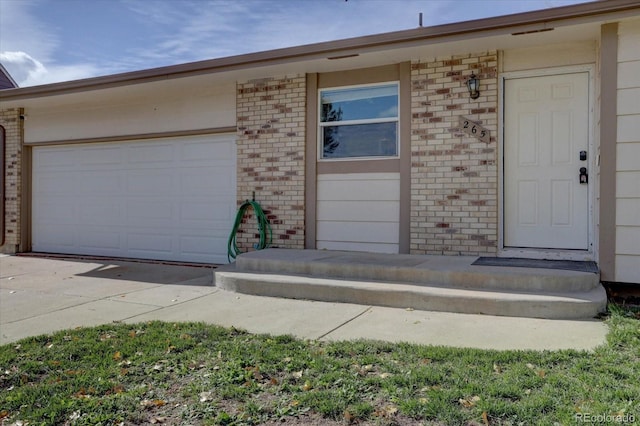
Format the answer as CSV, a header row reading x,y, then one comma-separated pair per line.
x,y
28,47
21,66
28,71
21,31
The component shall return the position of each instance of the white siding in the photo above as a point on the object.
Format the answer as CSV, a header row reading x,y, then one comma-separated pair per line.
x,y
628,155
134,110
359,212
556,55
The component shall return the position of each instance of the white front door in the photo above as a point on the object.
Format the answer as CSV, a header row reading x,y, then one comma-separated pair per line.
x,y
546,140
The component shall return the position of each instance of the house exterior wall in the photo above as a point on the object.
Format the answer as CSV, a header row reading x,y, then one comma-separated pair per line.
x,y
360,203
359,211
627,250
454,177
556,55
454,193
271,147
12,179
152,108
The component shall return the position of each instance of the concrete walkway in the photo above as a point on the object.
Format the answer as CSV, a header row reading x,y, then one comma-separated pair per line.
x,y
40,295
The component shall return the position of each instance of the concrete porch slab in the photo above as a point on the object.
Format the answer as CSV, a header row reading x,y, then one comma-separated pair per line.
x,y
433,283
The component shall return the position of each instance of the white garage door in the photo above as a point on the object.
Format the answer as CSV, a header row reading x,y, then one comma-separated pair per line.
x,y
167,199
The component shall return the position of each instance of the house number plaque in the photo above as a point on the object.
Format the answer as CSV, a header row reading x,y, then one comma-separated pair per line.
x,y
474,129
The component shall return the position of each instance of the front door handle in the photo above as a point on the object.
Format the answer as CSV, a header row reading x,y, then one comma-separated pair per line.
x,y
584,176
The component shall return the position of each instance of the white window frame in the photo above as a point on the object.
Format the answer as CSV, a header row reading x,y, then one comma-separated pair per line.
x,y
395,119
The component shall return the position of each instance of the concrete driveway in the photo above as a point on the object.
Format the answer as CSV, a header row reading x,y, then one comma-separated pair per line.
x,y
42,295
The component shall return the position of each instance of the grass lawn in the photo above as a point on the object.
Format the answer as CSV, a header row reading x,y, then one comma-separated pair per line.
x,y
192,373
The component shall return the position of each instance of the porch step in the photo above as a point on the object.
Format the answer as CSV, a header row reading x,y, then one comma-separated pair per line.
x,y
437,283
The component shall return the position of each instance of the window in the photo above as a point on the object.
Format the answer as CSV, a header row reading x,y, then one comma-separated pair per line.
x,y
359,122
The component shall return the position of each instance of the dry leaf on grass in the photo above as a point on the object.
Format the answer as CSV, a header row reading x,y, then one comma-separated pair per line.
x,y
148,403
469,402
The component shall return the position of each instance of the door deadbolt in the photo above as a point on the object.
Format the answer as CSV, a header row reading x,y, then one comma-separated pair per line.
x,y
583,155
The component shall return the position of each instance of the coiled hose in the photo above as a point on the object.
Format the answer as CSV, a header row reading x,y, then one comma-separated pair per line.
x,y
264,229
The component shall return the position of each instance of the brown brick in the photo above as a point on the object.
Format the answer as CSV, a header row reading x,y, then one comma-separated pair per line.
x,y
277,111
449,164
13,126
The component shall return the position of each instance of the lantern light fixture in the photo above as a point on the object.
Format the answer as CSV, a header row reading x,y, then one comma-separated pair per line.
x,y
473,84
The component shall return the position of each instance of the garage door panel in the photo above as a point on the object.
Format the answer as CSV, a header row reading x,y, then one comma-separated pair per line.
x,y
201,212
198,245
171,199
150,242
150,182
100,182
103,155
150,154
54,183
99,212
62,236
97,240
150,213
54,159
199,181
219,232
57,212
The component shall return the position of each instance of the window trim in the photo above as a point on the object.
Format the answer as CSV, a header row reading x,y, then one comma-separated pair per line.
x,y
320,124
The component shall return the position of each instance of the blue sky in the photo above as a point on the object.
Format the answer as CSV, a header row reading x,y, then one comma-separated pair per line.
x,y
47,41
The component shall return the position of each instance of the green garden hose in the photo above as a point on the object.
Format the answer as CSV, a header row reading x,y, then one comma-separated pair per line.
x,y
264,229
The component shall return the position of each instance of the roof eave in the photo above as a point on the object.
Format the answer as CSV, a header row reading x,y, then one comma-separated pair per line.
x,y
330,48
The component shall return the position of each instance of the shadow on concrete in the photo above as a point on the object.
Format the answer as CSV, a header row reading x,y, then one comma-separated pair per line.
x,y
148,271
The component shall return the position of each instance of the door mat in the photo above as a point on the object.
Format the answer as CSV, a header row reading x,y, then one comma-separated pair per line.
x,y
570,265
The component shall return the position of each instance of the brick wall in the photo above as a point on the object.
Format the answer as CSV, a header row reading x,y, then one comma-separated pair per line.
x,y
10,120
271,141
454,177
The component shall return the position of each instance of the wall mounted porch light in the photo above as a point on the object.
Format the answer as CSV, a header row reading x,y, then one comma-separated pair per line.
x,y
473,84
